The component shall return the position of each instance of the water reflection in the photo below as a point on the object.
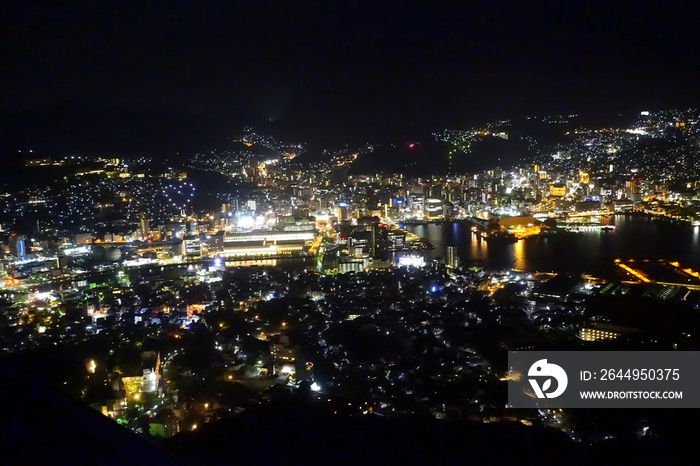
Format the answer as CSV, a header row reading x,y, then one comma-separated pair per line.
x,y
587,252
519,254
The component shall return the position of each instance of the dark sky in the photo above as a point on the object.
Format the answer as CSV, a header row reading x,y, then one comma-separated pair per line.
x,y
163,76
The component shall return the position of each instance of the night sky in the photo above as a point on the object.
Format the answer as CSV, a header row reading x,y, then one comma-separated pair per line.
x,y
156,77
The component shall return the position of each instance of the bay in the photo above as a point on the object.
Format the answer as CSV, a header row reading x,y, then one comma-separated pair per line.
x,y
592,252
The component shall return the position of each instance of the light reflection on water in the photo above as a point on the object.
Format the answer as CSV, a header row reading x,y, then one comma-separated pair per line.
x,y
591,251
519,255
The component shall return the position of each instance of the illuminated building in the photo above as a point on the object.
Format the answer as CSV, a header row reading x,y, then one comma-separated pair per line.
x,y
363,239
257,243
600,331
353,264
191,246
411,261
143,226
231,239
360,242
521,226
342,212
148,381
451,260
289,224
212,243
433,209
415,202
132,386
18,246
173,230
632,190
283,353
150,361
557,189
397,239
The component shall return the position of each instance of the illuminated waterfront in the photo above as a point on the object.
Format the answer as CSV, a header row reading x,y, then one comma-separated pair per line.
x,y
591,252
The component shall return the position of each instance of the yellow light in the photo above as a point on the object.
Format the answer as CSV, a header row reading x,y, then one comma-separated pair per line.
x,y
634,272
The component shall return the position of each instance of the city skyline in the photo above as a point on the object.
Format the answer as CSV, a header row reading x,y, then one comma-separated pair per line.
x,y
263,232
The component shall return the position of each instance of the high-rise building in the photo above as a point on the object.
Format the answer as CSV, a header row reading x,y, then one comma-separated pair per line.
x,y
632,190
342,212
143,225
451,259
18,246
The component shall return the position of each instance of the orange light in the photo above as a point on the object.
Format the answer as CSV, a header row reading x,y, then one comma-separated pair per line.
x,y
634,272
